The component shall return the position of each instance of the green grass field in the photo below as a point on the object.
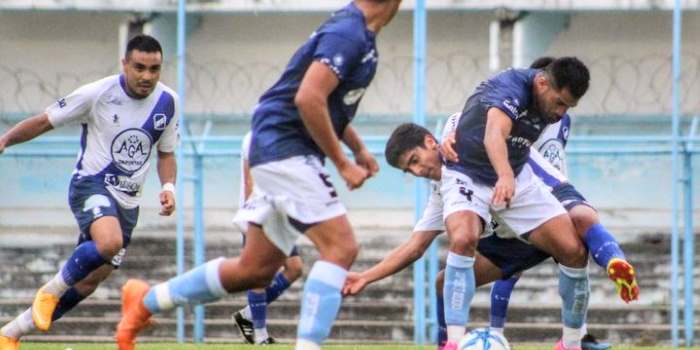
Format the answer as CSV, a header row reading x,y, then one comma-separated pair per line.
x,y
58,346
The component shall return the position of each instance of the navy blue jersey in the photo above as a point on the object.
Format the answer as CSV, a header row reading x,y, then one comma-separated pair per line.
x,y
343,43
511,92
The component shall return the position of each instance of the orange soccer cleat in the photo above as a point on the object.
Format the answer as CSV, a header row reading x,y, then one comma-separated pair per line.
x,y
8,343
135,316
622,273
42,309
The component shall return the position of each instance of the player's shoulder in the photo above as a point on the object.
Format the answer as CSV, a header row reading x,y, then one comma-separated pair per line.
x,y
101,85
167,89
348,22
515,76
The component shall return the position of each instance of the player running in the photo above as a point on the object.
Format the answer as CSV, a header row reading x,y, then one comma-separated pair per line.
x,y
252,319
124,118
296,124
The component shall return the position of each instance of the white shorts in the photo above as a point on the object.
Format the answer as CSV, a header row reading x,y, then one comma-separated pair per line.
x,y
288,195
531,205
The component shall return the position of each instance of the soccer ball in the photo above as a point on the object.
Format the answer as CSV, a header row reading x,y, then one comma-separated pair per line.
x,y
483,339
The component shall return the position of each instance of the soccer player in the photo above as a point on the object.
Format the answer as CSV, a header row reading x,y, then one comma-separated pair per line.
x,y
124,118
604,249
296,124
252,319
498,125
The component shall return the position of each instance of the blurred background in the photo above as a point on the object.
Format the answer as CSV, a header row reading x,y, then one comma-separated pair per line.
x,y
620,149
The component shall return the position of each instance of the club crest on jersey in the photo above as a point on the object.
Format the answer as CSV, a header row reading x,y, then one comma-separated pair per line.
x,y
131,150
160,121
353,96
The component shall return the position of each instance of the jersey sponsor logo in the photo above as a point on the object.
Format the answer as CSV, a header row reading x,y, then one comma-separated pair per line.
x,y
131,150
553,151
353,96
512,106
62,103
122,183
519,141
159,121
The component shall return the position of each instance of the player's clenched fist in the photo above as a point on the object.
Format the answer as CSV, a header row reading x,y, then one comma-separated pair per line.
x,y
353,174
167,203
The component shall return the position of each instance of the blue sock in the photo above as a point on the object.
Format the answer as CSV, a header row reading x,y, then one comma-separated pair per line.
x,y
458,291
258,308
197,286
68,301
442,327
500,296
602,245
277,287
574,291
85,259
321,301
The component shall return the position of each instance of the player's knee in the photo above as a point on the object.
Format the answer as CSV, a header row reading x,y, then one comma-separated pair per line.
x,y
463,244
583,218
574,255
109,247
342,254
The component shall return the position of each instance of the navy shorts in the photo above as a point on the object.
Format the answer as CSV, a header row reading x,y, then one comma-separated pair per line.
x,y
511,255
89,200
569,197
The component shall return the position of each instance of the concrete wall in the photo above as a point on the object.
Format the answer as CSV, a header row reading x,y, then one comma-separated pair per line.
x,y
232,59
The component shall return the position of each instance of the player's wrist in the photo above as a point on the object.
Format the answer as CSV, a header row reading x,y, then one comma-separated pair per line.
x,y
168,186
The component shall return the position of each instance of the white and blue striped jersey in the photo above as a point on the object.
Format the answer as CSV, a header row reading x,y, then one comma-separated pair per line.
x,y
119,133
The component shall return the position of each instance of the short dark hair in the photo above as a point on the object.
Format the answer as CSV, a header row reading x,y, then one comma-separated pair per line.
x,y
571,73
541,62
405,137
143,42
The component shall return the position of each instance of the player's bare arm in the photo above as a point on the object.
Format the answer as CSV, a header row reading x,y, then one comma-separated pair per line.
x,y
25,130
167,169
398,259
247,180
363,157
498,127
312,101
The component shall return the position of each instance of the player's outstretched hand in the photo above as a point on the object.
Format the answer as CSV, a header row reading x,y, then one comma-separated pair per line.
x,y
366,160
447,147
167,203
503,192
353,174
354,284
2,147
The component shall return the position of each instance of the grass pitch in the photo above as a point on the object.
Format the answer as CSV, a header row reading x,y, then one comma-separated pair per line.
x,y
167,346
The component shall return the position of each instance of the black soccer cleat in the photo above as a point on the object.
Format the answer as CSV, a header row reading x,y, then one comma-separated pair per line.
x,y
245,326
589,342
268,341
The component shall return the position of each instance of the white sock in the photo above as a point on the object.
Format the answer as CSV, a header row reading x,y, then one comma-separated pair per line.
x,y
584,330
260,335
571,337
498,330
245,312
304,344
56,286
455,333
20,326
